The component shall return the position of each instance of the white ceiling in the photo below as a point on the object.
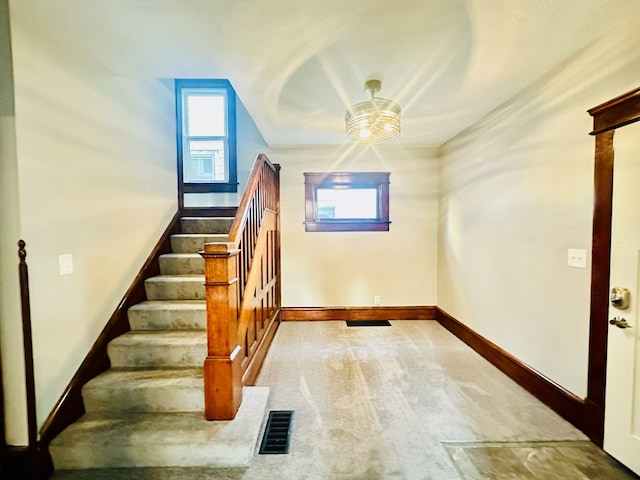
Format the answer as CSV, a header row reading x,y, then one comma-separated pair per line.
x,y
297,64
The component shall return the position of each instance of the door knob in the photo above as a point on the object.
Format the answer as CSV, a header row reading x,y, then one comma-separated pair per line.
x,y
619,322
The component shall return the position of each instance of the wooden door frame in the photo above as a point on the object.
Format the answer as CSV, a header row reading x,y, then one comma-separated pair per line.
x,y
607,117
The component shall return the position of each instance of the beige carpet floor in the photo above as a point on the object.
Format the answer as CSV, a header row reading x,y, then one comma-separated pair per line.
x,y
408,401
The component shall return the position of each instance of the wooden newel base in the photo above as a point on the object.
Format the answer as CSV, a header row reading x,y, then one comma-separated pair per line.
x,y
222,386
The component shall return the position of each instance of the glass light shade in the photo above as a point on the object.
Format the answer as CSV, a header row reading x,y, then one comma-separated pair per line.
x,y
375,121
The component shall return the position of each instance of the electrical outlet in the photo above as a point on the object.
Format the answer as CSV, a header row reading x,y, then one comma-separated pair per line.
x,y
376,300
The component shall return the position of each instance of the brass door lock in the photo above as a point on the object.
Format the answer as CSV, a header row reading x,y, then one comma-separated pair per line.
x,y
620,298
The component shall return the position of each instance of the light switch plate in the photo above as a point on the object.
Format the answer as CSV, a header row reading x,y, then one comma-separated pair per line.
x,y
577,258
65,264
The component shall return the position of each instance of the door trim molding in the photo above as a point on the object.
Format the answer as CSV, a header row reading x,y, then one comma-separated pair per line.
x,y
620,111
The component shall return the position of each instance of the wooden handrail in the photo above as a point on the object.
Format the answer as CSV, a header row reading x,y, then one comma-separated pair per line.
x,y
242,281
252,185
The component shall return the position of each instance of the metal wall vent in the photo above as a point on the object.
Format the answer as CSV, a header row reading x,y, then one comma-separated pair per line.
x,y
277,433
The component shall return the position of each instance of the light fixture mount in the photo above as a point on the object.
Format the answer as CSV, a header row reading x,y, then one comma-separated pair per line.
x,y
374,86
374,121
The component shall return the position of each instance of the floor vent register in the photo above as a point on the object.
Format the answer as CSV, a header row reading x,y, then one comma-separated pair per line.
x,y
277,432
368,323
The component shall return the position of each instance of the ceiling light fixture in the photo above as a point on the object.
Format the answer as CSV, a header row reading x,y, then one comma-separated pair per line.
x,y
375,121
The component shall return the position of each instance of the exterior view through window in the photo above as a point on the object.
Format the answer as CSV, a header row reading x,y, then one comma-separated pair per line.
x,y
346,202
205,132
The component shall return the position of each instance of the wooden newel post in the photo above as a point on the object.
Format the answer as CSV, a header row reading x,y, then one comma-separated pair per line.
x,y
222,367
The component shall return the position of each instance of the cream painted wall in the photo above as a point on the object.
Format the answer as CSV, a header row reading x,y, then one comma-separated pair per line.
x,y
97,180
349,268
516,193
10,325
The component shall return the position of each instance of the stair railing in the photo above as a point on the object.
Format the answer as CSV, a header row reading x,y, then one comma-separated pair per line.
x,y
242,281
27,342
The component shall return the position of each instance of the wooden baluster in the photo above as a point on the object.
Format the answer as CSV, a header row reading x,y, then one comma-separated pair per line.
x,y
277,260
222,367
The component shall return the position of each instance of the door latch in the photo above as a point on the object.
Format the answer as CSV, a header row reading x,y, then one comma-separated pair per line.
x,y
619,322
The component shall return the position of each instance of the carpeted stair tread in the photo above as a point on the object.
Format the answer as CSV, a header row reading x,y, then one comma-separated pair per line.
x,y
159,349
181,264
162,439
175,287
161,337
149,390
194,242
168,314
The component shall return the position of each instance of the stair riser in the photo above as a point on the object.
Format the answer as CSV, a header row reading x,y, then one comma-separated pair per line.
x,y
182,319
206,225
148,399
189,244
153,355
181,266
175,290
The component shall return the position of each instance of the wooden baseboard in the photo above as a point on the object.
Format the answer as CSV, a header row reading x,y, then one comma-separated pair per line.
x,y
20,463
70,405
305,314
563,402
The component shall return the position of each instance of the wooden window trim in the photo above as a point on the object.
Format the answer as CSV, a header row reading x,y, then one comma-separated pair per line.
x,y
377,180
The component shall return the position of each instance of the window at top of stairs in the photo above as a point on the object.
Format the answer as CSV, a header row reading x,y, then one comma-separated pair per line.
x,y
206,124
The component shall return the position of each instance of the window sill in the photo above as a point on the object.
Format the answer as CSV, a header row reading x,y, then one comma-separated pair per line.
x,y
347,226
210,187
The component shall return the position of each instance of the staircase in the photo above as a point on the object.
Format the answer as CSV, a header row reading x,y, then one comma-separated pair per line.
x,y
147,409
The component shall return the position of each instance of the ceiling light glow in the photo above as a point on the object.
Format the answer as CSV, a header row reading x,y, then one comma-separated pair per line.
x,y
375,121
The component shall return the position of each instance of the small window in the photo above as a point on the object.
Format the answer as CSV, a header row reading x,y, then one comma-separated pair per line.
x,y
346,202
206,136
